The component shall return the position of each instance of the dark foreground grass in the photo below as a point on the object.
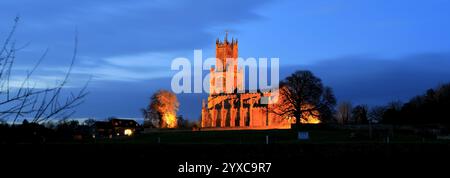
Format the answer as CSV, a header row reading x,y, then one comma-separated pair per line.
x,y
271,136
334,152
116,159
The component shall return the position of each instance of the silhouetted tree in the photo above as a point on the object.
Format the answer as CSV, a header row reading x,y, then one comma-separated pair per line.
x,y
392,114
344,112
327,111
25,122
149,116
376,113
49,125
110,118
182,123
429,108
359,114
302,92
72,124
67,128
89,122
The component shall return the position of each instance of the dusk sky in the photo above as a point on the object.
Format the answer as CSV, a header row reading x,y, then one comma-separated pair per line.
x,y
369,51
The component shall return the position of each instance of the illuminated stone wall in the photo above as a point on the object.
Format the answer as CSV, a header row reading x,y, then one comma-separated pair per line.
x,y
227,109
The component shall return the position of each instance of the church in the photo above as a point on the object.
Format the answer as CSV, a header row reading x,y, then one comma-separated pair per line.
x,y
227,108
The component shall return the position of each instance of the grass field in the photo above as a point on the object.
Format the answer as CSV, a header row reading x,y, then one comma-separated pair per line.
x,y
283,136
162,152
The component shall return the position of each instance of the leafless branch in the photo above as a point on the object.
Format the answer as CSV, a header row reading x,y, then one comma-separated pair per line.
x,y
41,104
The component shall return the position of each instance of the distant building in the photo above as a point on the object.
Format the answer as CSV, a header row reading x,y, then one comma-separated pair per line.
x,y
116,127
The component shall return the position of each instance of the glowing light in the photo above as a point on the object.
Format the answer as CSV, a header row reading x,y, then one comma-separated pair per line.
x,y
128,132
169,120
310,118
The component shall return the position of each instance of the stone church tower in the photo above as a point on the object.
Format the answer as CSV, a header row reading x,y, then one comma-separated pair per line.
x,y
228,108
226,77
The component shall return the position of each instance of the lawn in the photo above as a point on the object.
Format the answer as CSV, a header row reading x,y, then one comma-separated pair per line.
x,y
283,136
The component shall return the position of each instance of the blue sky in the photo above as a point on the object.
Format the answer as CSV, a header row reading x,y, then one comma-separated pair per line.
x,y
368,51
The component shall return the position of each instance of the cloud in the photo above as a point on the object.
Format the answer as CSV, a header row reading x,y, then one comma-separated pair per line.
x,y
107,72
120,40
136,67
114,73
36,82
376,80
127,27
41,78
141,60
123,68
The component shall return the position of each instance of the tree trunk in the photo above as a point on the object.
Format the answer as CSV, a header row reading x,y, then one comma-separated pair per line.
x,y
298,116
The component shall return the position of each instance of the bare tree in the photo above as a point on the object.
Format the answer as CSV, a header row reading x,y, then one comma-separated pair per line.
x,y
302,94
344,112
28,101
151,117
359,114
376,113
